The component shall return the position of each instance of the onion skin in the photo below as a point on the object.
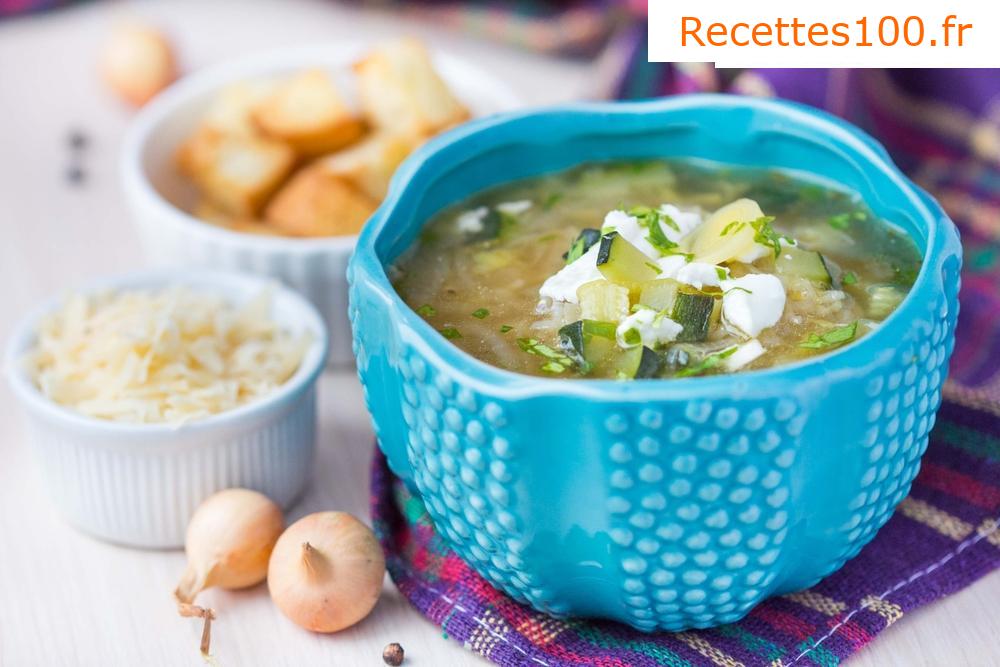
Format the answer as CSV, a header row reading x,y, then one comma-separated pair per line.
x,y
326,571
137,62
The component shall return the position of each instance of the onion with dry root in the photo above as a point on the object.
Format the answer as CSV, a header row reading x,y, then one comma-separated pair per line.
x,y
326,571
228,543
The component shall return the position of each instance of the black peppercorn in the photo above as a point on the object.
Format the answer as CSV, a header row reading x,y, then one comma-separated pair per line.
x,y
75,174
392,654
77,139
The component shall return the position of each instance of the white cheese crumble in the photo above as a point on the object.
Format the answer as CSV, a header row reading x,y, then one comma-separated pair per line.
x,y
562,285
700,274
471,222
653,328
752,303
743,355
514,207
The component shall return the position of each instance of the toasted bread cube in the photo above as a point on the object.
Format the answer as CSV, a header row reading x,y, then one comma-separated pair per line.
x,y
315,202
369,164
236,173
208,212
401,92
231,110
307,112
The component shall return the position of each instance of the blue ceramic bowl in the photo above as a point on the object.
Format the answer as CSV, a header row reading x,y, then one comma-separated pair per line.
x,y
663,504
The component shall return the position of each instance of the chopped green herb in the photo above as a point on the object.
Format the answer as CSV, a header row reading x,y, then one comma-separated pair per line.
x,y
557,361
720,272
764,234
831,338
504,328
654,267
839,221
849,278
707,363
551,200
733,227
669,222
480,313
632,337
733,289
451,333
427,310
651,218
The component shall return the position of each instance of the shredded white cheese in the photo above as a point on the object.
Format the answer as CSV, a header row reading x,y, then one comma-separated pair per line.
x,y
167,356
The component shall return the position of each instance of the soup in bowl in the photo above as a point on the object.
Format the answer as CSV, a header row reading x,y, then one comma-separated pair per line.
x,y
584,478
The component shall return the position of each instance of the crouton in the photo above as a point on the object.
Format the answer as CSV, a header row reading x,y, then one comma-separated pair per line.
x,y
315,202
402,93
230,111
307,112
236,173
369,164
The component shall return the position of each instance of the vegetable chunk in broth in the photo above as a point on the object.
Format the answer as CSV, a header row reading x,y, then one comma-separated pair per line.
x,y
656,269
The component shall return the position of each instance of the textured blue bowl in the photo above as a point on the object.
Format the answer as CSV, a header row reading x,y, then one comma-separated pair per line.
x,y
664,504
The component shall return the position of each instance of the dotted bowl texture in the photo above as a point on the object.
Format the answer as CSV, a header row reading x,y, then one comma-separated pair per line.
x,y
664,504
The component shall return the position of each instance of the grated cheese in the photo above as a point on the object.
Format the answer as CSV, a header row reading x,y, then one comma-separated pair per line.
x,y
162,356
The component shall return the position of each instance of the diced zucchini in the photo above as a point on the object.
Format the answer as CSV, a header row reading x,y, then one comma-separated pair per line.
x,y
495,225
622,263
603,301
637,363
581,244
659,294
676,358
883,299
591,344
487,261
804,263
693,312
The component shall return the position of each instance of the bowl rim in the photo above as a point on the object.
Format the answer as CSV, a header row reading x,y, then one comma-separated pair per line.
x,y
941,237
227,284
132,175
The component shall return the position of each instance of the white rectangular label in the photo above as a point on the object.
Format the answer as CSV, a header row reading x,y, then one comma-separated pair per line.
x,y
848,33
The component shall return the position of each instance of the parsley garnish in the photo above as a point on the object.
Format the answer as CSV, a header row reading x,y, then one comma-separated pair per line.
x,y
840,221
733,227
733,289
849,278
504,328
720,272
551,200
831,338
764,234
451,333
651,218
654,267
632,337
576,250
480,313
707,363
427,310
557,361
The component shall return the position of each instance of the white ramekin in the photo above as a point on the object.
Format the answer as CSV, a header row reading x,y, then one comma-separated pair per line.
x,y
172,237
138,484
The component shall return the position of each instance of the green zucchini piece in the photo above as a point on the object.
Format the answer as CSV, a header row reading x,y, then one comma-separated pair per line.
x,y
637,363
590,344
622,263
805,263
603,301
659,294
581,244
694,313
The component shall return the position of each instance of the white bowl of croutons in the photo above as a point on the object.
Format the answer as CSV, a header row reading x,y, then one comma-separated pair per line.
x,y
273,162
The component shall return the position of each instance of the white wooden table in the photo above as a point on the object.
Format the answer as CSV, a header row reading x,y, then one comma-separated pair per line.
x,y
66,599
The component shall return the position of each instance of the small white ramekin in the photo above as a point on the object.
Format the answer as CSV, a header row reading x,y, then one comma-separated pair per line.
x,y
172,237
138,484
